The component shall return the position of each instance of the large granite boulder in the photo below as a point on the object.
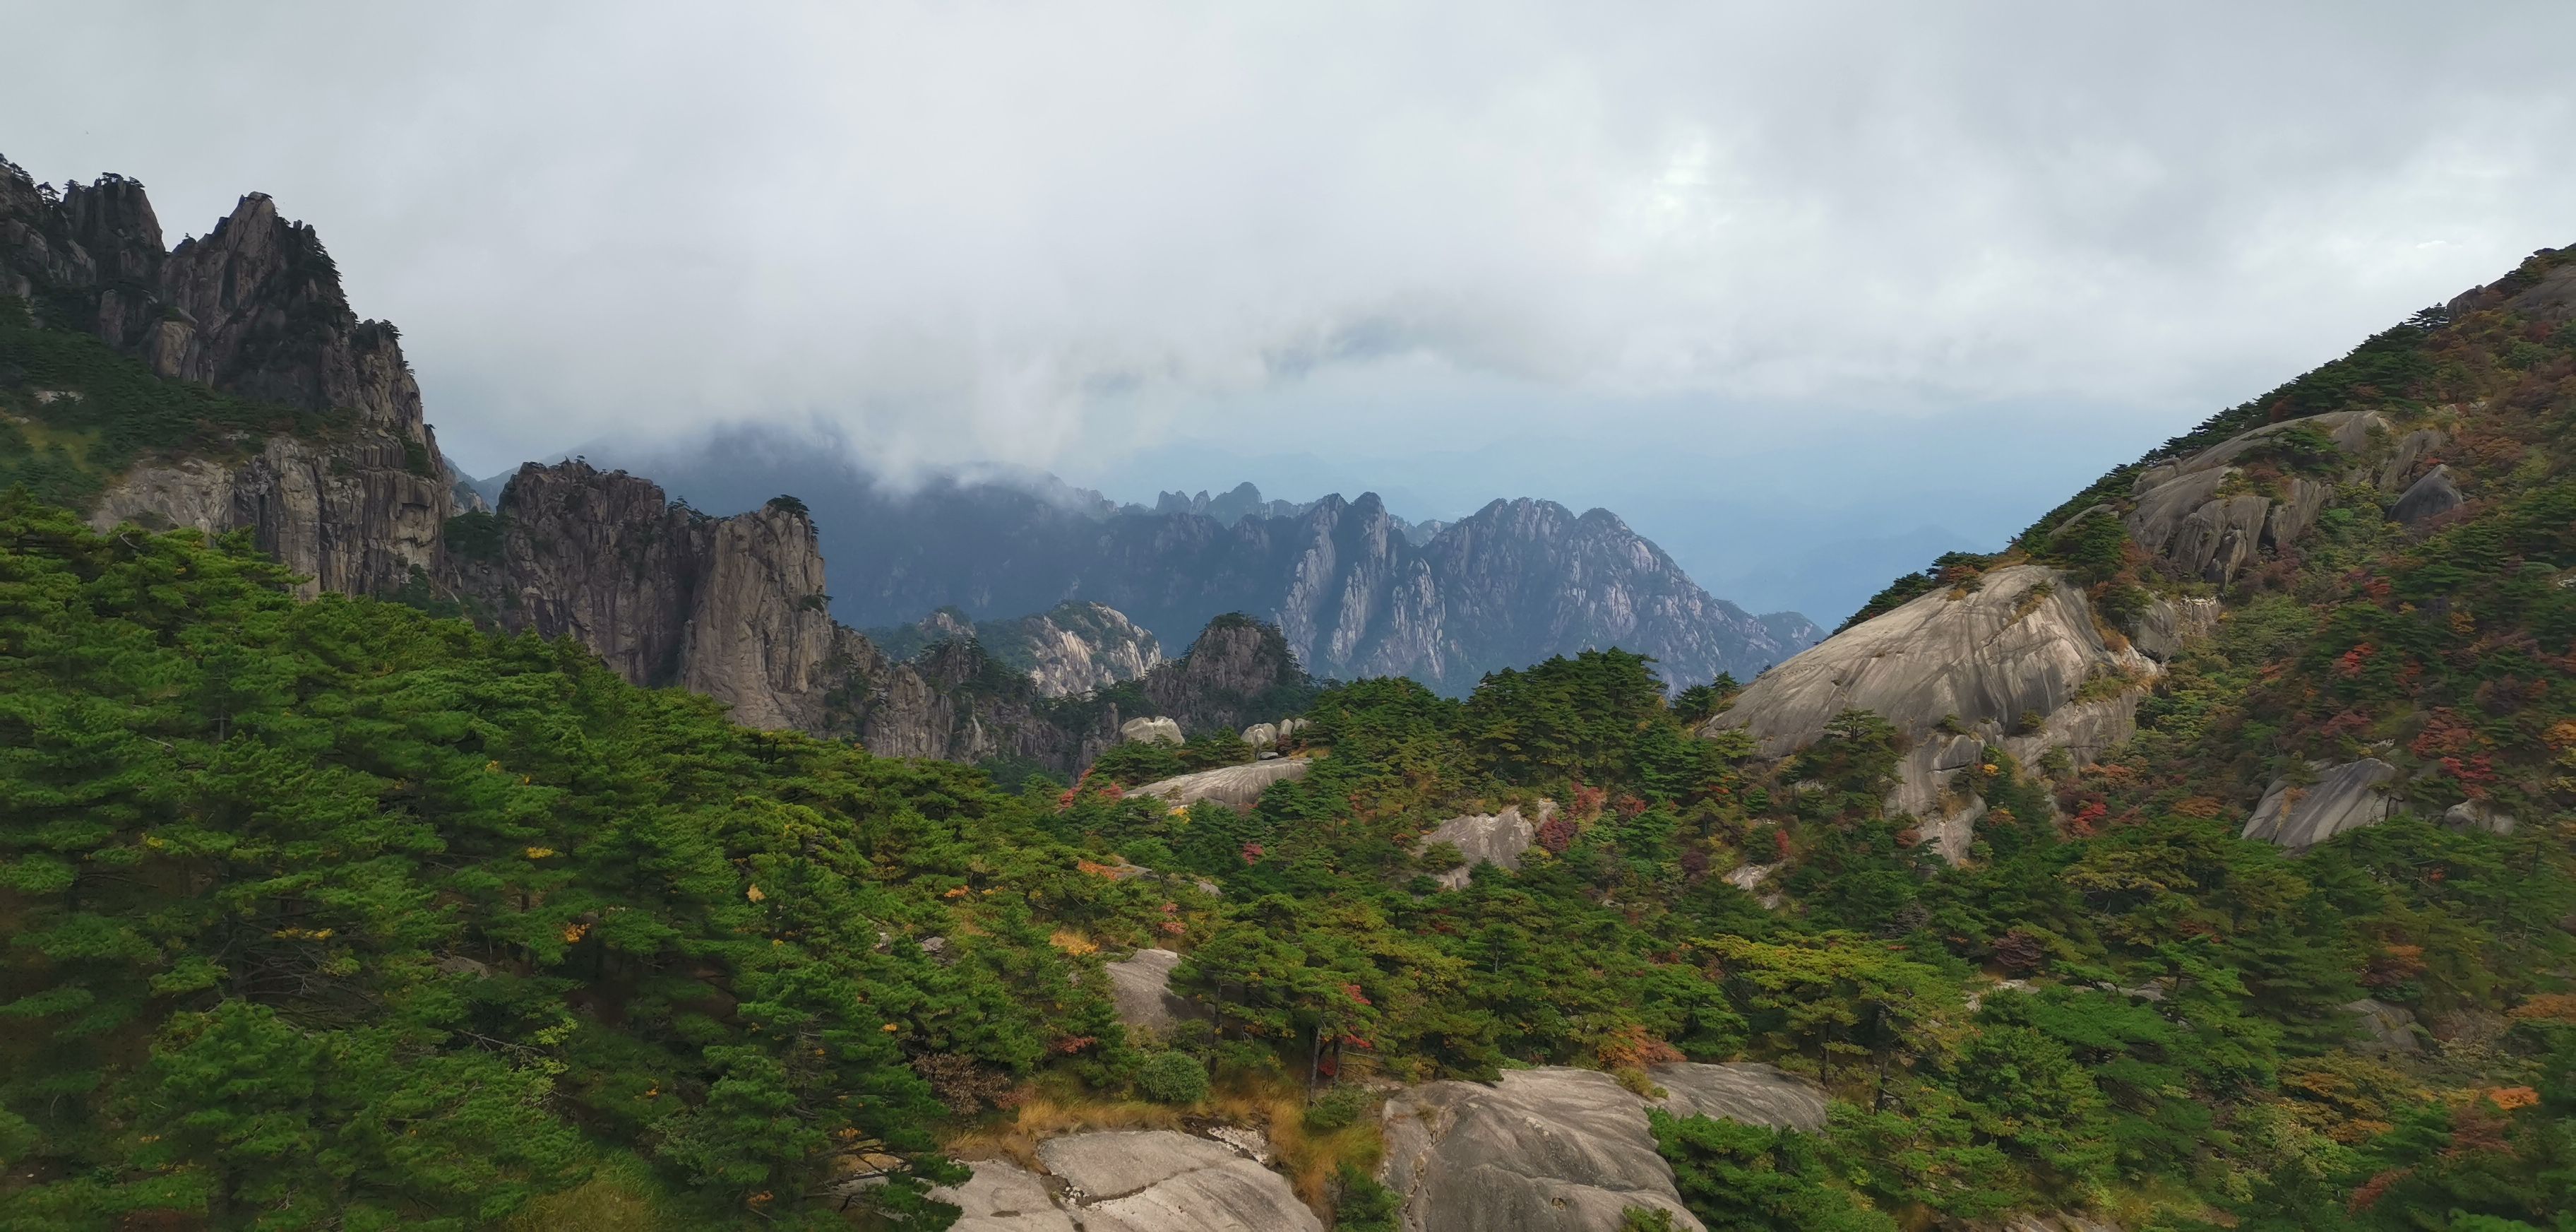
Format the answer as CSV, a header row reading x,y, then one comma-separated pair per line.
x,y
1004,1197
1238,786
2478,815
1129,1181
1562,1150
2383,1029
1156,730
2345,797
2428,498
2000,662
2172,624
1141,986
1161,1181
1487,838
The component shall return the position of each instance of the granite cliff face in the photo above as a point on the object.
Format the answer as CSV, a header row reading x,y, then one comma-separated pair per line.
x,y
358,498
729,607
254,309
1356,590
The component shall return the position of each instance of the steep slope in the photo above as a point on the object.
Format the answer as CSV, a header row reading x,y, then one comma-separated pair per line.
x,y
2351,514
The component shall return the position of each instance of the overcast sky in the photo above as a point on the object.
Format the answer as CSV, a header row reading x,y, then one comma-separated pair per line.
x,y
1876,266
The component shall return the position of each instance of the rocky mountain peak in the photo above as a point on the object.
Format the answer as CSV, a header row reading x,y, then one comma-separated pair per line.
x,y
730,607
1229,675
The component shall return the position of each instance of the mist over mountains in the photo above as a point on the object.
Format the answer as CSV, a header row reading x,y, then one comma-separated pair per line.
x,y
1356,589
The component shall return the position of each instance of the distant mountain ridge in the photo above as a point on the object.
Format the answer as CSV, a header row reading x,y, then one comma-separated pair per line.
x,y
1357,590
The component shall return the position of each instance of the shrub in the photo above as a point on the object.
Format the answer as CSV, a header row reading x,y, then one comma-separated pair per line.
x,y
1219,747
1137,761
787,504
1168,1077
1340,1107
475,535
1360,1204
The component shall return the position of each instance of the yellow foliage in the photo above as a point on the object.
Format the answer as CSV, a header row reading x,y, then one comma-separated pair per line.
x,y
2548,1007
1073,943
2510,1098
754,894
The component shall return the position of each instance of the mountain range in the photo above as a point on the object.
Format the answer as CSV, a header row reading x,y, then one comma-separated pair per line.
x,y
1357,590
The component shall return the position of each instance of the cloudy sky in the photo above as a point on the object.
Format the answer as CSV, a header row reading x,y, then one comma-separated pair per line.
x,y
1779,283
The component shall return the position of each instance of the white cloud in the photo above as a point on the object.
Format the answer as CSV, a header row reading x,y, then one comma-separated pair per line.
x,y
1042,233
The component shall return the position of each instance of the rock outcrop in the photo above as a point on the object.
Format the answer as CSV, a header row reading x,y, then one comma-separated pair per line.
x,y
1153,729
2017,661
2544,294
1563,1149
1073,647
2171,623
347,515
953,703
1753,1093
1130,1181
2344,797
2201,513
1237,671
2478,815
1234,786
355,502
1141,986
1499,839
2381,1029
1002,1196
2209,518
2427,498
